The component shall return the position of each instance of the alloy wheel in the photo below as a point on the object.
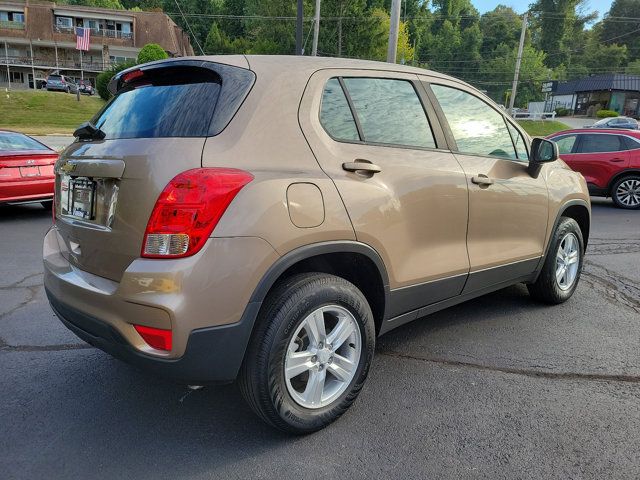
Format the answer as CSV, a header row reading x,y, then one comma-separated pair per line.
x,y
628,192
567,261
322,357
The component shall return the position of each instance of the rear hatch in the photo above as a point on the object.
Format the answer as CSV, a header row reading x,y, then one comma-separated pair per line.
x,y
23,158
154,128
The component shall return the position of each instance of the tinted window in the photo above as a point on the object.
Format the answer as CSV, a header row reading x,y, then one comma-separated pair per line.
x,y
631,144
335,114
477,128
518,141
390,112
165,103
565,144
17,141
600,143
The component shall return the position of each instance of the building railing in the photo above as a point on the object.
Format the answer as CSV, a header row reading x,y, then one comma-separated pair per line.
x,y
49,63
97,32
11,25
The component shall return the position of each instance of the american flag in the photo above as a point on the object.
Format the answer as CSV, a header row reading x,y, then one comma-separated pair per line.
x,y
82,38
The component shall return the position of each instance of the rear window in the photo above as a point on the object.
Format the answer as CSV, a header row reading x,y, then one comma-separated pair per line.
x,y
16,142
54,77
168,102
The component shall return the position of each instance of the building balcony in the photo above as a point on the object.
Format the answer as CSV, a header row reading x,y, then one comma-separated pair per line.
x,y
50,64
11,25
97,32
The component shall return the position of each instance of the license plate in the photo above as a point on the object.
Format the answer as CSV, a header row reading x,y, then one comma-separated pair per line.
x,y
82,195
29,171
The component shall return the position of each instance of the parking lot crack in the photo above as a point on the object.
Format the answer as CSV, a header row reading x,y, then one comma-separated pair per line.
x,y
44,348
528,372
615,287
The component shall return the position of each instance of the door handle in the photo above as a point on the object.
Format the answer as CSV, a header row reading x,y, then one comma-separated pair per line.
x,y
361,166
481,180
617,160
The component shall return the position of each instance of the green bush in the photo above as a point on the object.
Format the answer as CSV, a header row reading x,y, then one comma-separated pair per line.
x,y
606,113
103,79
562,112
151,52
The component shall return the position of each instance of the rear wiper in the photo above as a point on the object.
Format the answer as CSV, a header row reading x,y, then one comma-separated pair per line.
x,y
88,131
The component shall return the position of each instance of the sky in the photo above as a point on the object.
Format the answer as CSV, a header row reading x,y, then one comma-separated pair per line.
x,y
521,6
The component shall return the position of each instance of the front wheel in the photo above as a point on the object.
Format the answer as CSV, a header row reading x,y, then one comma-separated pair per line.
x,y
562,267
310,352
626,192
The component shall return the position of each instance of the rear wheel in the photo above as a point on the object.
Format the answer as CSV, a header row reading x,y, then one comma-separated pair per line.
x,y
626,192
561,271
310,352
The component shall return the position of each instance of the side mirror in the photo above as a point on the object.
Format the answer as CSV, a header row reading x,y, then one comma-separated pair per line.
x,y
542,151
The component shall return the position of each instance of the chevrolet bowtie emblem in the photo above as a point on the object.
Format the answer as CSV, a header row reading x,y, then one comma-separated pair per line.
x,y
68,167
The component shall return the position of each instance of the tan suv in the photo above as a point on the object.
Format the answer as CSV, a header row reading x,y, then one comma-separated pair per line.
x,y
266,218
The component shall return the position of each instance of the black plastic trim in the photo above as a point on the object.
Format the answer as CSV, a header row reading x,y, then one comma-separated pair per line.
x,y
313,250
212,355
482,279
406,299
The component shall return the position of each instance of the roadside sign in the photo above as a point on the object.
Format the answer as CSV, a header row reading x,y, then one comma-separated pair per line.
x,y
550,86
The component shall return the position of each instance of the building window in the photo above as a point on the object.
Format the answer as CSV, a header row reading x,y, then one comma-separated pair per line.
x,y
13,17
64,22
17,77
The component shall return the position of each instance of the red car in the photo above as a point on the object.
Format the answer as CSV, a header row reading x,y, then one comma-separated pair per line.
x,y
26,169
609,160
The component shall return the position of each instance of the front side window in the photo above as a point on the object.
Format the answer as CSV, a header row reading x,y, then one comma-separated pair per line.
x,y
518,142
600,143
335,114
565,144
390,112
477,128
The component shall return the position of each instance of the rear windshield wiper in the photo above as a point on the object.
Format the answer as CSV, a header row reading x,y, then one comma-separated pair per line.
x,y
88,131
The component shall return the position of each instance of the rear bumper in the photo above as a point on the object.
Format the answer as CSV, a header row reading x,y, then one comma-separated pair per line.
x,y
213,355
26,190
203,300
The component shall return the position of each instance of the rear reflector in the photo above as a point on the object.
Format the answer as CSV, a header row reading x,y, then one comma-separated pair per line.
x,y
127,77
188,210
158,338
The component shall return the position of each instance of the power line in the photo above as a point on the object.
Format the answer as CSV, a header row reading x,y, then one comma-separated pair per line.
x,y
189,27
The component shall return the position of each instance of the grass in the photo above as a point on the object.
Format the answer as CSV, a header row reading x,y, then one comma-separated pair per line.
x,y
42,112
542,128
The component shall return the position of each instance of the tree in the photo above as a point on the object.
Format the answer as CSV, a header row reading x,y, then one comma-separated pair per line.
x,y
103,79
623,32
497,73
633,68
151,52
502,25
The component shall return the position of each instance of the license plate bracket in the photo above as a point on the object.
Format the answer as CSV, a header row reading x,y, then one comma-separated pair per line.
x,y
82,198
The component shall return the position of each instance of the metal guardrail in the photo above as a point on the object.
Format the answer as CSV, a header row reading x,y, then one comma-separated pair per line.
x,y
535,115
11,25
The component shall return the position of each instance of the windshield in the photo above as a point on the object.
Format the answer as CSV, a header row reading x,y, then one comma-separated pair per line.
x,y
175,102
11,141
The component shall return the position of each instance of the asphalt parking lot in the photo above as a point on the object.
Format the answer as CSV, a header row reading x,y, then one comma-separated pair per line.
x,y
498,387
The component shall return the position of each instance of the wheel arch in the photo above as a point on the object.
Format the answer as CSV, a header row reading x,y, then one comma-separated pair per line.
x,y
619,175
354,261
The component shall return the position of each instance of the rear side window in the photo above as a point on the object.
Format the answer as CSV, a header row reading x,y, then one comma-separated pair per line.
x,y
168,102
565,144
335,114
477,128
600,143
390,112
17,142
631,143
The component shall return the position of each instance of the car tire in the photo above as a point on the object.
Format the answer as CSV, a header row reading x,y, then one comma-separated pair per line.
x,y
283,337
625,192
47,204
562,266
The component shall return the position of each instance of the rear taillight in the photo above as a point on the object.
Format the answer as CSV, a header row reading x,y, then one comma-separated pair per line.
x,y
158,338
188,210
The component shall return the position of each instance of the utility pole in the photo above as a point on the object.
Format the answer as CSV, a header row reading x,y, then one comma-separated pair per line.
x,y
299,19
516,74
316,29
6,56
393,31
33,71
